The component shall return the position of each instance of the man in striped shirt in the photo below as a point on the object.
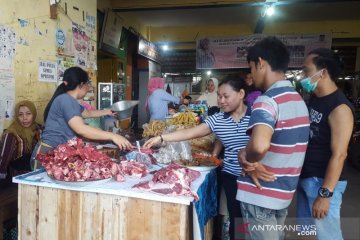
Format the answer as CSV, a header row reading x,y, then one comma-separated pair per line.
x,y
273,158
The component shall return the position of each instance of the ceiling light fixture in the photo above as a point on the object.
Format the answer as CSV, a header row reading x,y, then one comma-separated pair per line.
x,y
208,73
269,9
165,47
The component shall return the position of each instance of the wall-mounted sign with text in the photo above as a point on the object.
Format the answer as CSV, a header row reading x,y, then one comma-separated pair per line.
x,y
47,71
149,50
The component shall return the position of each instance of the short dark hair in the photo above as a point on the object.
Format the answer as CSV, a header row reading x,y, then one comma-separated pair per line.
x,y
172,105
273,51
327,59
188,97
237,83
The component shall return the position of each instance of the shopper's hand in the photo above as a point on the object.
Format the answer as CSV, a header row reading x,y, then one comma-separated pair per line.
x,y
246,166
263,174
321,207
152,142
122,142
260,173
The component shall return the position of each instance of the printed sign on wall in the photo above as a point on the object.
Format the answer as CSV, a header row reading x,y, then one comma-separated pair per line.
x,y
7,79
47,71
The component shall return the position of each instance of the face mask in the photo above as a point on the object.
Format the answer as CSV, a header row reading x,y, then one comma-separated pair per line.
x,y
307,85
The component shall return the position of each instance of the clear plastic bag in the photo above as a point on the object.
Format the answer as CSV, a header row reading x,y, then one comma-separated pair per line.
x,y
139,157
174,151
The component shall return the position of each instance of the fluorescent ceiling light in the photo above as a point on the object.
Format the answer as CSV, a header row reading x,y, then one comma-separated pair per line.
x,y
270,10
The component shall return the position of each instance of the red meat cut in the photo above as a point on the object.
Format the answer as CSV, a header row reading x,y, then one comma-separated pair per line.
x,y
171,180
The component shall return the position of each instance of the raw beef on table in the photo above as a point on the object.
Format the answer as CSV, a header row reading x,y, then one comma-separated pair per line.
x,y
76,161
171,180
132,168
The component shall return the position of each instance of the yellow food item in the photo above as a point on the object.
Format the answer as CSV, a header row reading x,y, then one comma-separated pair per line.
x,y
154,128
183,118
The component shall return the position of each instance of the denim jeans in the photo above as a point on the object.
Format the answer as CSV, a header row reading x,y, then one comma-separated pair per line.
x,y
260,220
328,227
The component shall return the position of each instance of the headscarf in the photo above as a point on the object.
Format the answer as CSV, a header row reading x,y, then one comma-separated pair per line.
x,y
210,97
26,134
216,83
154,84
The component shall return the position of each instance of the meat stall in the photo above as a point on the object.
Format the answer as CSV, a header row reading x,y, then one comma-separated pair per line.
x,y
105,210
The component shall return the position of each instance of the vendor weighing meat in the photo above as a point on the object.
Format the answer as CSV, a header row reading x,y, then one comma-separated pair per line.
x,y
64,116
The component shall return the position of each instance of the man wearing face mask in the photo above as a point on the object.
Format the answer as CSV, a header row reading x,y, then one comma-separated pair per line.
x,y
322,184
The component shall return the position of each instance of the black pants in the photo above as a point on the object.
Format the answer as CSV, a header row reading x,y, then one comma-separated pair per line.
x,y
230,186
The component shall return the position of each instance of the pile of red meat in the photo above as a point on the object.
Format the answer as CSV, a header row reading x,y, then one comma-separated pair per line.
x,y
76,161
171,180
130,168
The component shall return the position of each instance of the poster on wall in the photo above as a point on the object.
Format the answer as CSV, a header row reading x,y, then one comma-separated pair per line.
x,y
7,80
81,45
222,53
7,43
47,71
63,63
60,41
92,43
91,25
7,89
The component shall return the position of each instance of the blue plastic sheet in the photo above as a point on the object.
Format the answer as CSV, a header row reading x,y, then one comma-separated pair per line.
x,y
206,207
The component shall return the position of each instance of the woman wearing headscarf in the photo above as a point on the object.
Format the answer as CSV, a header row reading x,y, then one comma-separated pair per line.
x,y
158,99
19,140
210,95
64,116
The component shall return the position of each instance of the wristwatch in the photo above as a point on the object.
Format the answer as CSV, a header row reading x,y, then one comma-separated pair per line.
x,y
325,193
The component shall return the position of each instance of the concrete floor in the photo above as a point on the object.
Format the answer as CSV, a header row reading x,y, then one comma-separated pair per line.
x,y
350,211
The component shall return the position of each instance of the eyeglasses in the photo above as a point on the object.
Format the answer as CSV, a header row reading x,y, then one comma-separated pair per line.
x,y
89,83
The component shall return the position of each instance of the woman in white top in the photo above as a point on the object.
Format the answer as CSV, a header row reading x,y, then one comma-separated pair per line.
x,y
210,95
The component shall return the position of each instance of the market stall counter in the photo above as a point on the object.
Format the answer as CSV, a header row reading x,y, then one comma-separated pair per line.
x,y
108,210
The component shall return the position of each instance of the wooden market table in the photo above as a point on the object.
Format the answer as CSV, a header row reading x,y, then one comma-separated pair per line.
x,y
108,211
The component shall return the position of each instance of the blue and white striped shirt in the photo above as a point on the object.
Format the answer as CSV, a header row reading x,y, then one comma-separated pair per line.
x,y
233,137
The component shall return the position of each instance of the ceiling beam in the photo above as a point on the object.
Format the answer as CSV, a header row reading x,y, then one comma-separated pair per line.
x,y
129,5
145,5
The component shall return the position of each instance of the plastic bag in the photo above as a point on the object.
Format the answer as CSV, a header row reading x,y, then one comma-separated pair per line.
x,y
174,151
139,157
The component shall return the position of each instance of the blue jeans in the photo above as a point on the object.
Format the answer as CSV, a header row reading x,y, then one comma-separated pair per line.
x,y
328,227
260,220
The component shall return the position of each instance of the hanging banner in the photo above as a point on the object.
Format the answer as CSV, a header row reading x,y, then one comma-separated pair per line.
x,y
222,53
